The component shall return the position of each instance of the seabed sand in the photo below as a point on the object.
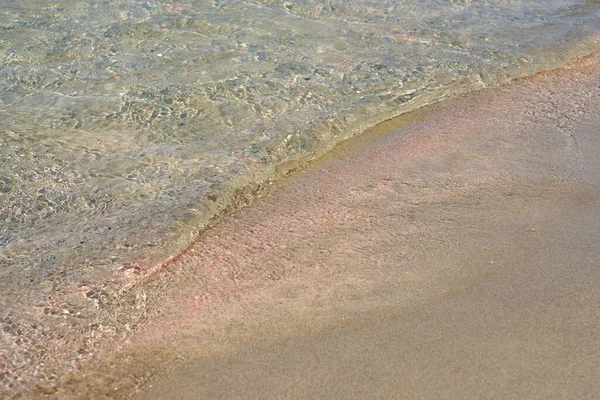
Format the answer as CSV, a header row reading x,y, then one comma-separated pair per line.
x,y
449,253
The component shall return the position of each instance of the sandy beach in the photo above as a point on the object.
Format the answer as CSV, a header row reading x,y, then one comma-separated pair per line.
x,y
448,253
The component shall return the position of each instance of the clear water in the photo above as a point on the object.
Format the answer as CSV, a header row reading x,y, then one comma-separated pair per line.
x,y
126,125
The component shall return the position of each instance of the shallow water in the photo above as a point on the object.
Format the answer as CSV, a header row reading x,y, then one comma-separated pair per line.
x,y
127,125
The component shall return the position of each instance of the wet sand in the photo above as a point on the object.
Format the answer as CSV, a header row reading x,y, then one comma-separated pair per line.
x,y
449,253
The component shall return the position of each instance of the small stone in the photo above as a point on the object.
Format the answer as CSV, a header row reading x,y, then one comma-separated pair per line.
x,y
47,286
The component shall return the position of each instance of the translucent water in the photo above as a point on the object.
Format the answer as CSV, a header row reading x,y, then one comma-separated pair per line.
x,y
126,125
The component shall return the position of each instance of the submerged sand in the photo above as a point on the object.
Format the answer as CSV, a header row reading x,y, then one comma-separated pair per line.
x,y
449,253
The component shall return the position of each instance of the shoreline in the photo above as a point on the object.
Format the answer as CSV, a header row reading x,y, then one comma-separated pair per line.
x,y
388,230
96,262
235,279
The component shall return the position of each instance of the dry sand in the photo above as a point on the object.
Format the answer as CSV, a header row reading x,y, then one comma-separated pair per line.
x,y
450,253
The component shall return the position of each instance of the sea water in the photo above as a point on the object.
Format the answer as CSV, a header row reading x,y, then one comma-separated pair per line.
x,y
127,125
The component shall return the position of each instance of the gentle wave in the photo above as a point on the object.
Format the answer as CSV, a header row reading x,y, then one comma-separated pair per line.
x,y
127,125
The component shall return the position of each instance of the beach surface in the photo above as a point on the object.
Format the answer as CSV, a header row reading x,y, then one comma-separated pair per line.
x,y
449,253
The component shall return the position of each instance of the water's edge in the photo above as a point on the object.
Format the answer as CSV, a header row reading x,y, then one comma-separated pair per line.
x,y
197,252
248,186
114,314
135,133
